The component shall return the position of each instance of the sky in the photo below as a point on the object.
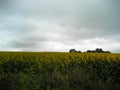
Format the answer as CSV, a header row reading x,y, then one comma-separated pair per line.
x,y
59,25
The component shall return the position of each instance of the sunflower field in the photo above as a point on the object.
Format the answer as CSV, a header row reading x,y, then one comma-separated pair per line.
x,y
59,71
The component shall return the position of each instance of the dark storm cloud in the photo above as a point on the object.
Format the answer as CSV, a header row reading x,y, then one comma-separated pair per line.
x,y
63,24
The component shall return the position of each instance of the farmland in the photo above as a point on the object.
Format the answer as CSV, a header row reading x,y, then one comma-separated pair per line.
x,y
59,71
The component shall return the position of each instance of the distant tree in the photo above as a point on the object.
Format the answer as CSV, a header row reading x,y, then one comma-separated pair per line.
x,y
79,51
89,51
72,50
98,50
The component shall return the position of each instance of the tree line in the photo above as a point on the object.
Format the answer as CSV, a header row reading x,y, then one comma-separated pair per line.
x,y
99,50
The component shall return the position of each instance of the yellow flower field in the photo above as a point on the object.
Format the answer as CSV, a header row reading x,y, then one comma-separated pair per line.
x,y
59,71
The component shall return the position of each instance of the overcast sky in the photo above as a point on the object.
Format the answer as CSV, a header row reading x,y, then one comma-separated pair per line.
x,y
59,25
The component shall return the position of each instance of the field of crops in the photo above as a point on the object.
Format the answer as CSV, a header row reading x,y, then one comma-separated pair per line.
x,y
59,71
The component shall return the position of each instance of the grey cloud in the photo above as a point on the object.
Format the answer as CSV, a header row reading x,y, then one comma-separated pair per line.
x,y
102,15
7,5
21,44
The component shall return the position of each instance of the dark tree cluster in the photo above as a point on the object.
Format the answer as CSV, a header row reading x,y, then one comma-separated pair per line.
x,y
73,50
99,50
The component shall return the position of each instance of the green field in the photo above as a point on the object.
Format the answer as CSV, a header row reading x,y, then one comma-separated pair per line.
x,y
59,71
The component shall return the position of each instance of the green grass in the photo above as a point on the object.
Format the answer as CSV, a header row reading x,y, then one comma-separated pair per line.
x,y
59,71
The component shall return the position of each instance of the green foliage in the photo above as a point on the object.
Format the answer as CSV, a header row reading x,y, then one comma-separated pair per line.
x,y
59,71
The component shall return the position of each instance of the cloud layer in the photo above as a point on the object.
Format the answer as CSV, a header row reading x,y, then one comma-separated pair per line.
x,y
59,25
